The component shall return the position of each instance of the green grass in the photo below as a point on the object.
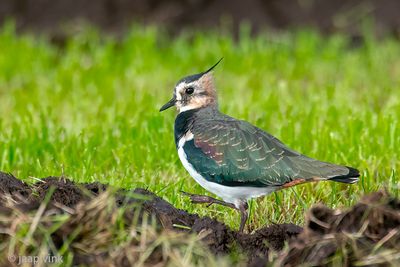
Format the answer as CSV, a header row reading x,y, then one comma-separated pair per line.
x,y
89,110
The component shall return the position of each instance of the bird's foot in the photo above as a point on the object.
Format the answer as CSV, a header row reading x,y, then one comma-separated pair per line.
x,y
207,200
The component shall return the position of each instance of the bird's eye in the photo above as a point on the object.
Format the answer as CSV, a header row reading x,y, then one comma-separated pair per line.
x,y
189,90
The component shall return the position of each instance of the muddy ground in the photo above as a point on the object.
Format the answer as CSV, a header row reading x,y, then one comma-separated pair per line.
x,y
366,234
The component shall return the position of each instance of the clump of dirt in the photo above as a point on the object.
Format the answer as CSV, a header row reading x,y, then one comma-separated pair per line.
x,y
87,207
65,191
9,185
267,238
366,234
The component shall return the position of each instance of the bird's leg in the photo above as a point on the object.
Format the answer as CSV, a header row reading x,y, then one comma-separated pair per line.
x,y
242,207
206,199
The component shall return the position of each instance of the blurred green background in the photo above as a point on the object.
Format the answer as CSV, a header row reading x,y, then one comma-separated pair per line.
x,y
88,109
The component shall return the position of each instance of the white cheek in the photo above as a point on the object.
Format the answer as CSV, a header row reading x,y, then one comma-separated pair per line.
x,y
178,90
178,96
178,102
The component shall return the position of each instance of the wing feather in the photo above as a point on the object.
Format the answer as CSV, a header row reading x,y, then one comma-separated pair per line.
x,y
237,153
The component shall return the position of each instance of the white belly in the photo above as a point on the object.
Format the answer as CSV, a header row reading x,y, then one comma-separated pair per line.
x,y
231,194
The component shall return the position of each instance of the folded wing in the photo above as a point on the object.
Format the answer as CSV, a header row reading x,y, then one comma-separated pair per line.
x,y
236,153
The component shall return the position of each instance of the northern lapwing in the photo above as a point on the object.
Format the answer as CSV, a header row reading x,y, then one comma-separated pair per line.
x,y
232,158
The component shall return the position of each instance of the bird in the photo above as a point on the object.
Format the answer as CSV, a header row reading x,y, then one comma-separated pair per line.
x,y
232,158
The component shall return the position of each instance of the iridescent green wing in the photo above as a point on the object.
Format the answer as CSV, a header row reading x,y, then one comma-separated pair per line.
x,y
236,153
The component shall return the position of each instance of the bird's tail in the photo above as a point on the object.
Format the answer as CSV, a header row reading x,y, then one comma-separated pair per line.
x,y
350,178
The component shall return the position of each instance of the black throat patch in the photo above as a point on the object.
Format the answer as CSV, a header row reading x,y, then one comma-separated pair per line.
x,y
183,123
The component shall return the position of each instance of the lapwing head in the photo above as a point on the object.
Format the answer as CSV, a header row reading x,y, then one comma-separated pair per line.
x,y
194,91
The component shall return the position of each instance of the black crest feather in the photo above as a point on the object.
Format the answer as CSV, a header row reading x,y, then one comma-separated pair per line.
x,y
210,69
195,77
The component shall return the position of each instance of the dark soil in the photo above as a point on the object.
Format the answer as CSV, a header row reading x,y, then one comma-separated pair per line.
x,y
375,218
220,238
363,234
176,15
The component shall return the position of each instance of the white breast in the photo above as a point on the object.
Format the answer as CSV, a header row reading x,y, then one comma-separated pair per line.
x,y
231,194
